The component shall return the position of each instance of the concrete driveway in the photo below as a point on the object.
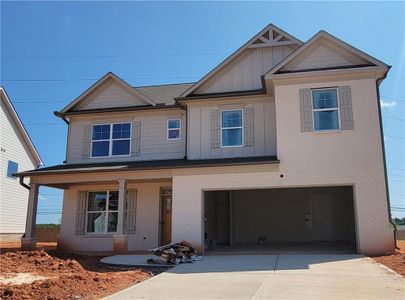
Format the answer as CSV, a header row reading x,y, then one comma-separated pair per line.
x,y
299,276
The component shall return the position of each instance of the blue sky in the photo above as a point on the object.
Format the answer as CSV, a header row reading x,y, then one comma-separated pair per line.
x,y
52,51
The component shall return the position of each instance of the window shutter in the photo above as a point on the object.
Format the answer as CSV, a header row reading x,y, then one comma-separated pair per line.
x,y
306,110
345,104
248,123
130,212
86,141
81,213
215,134
136,138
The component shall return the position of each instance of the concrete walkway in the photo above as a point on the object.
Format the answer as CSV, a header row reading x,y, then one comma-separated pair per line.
x,y
300,276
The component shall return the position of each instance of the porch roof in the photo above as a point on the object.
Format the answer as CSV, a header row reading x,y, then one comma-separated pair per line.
x,y
147,165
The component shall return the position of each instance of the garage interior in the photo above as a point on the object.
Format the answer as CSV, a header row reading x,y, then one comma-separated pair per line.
x,y
291,219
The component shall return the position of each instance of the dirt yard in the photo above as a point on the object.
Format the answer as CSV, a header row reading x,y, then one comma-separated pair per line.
x,y
45,274
395,262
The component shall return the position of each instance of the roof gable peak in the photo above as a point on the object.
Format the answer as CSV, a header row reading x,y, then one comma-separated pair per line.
x,y
98,84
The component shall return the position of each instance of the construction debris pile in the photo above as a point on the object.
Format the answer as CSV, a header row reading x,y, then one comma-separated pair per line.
x,y
174,254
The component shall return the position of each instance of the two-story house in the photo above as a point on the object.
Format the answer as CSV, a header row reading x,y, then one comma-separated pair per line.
x,y
280,144
17,153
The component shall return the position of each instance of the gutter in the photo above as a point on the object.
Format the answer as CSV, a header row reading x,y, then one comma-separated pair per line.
x,y
63,117
378,82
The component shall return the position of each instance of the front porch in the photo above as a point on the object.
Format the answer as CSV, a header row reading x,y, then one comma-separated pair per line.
x,y
107,212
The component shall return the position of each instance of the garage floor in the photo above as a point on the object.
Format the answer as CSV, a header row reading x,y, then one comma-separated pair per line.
x,y
284,248
302,276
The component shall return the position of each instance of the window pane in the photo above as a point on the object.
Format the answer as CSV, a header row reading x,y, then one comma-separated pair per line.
x,y
101,132
100,149
96,222
174,124
12,168
174,134
121,131
120,147
232,137
324,99
97,201
326,120
112,221
232,118
113,201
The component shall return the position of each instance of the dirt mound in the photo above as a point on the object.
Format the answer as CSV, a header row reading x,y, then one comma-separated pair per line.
x,y
79,278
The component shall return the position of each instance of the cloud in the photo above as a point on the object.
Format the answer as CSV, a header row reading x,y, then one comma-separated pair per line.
x,y
42,198
388,103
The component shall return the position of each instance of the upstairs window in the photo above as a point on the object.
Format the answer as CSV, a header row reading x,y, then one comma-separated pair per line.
x,y
173,129
12,168
231,128
111,140
325,107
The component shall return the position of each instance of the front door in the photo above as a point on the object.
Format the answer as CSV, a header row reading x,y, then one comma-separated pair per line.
x,y
166,217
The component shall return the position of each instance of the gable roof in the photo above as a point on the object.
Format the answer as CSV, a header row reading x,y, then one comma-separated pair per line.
x,y
109,76
328,37
271,35
20,127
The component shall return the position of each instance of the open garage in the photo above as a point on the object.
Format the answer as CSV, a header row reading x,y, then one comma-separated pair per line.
x,y
315,218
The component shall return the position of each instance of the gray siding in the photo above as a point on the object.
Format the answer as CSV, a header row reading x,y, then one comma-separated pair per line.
x,y
199,139
153,142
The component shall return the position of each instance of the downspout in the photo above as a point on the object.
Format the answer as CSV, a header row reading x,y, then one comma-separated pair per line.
x,y
185,131
63,117
378,82
23,183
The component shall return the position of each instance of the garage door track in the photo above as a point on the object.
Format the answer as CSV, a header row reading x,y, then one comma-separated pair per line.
x,y
306,276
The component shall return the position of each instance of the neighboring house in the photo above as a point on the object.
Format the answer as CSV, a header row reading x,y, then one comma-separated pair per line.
x,y
17,153
281,143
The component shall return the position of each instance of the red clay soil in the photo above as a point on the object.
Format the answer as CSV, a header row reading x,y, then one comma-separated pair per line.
x,y
68,277
396,261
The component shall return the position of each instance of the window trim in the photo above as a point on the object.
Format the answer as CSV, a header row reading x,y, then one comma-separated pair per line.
x,y
237,127
325,109
11,175
106,211
169,129
110,140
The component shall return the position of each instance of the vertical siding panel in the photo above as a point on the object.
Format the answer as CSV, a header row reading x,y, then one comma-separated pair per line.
x,y
259,128
205,132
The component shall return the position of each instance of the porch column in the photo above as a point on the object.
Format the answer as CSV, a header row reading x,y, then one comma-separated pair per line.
x,y
29,242
120,240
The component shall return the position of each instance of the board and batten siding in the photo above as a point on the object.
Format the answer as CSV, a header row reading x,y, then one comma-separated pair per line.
x,y
153,141
245,72
264,124
13,197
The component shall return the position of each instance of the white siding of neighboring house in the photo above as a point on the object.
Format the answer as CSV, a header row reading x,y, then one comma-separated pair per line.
x,y
13,197
244,72
199,143
154,143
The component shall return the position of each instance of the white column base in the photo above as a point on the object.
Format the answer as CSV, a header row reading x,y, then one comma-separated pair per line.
x,y
120,243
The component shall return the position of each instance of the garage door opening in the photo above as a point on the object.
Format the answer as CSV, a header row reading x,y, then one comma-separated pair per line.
x,y
293,219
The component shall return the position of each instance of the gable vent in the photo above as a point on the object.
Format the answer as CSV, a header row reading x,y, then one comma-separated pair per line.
x,y
270,38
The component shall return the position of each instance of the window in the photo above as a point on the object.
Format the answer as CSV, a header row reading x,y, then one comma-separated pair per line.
x,y
102,212
325,109
111,140
173,129
231,128
12,168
